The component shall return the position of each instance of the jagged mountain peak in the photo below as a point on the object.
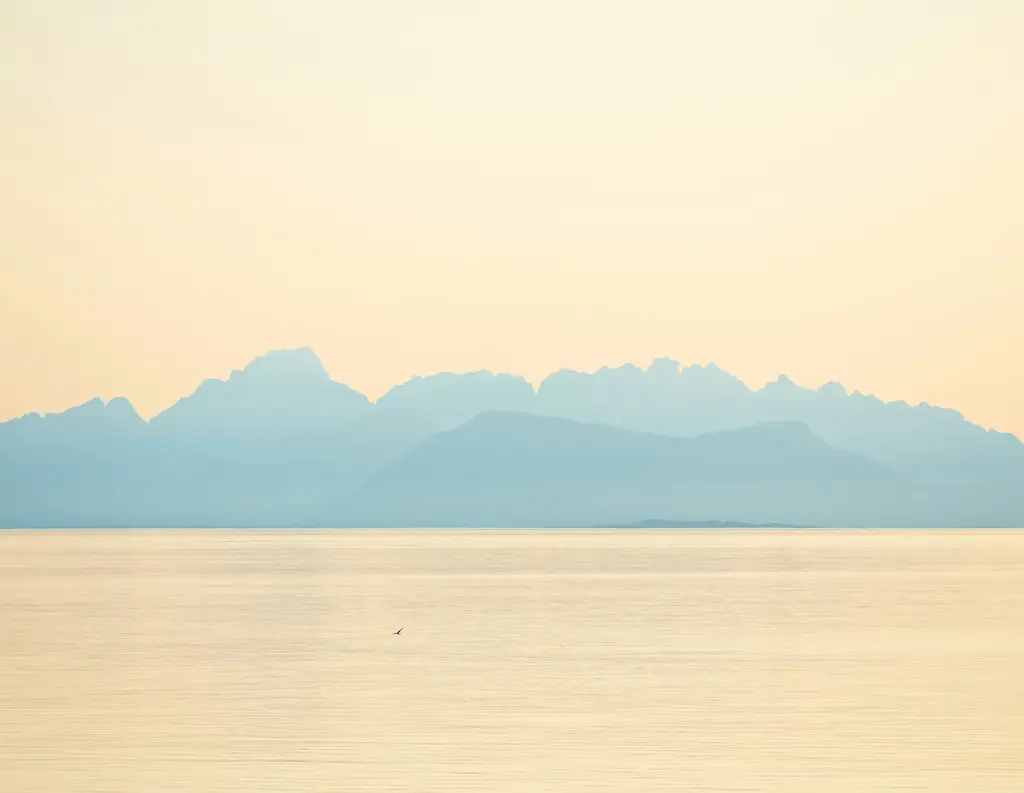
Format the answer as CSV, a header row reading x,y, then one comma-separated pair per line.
x,y
285,366
282,387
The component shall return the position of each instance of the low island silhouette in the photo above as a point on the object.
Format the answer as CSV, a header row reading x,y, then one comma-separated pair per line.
x,y
281,444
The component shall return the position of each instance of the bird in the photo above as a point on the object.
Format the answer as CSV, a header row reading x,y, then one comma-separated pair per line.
x,y
398,632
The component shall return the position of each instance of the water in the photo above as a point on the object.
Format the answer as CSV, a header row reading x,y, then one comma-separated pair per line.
x,y
533,661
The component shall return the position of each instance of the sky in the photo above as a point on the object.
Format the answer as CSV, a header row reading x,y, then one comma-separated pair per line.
x,y
830,190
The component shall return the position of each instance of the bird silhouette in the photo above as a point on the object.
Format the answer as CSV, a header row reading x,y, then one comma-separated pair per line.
x,y
398,632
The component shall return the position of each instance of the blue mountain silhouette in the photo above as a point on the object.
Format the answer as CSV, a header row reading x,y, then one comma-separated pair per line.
x,y
280,443
284,392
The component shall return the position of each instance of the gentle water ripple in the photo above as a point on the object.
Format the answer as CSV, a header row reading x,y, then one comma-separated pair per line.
x,y
530,661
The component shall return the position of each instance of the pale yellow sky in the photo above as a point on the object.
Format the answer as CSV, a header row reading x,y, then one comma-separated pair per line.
x,y
830,190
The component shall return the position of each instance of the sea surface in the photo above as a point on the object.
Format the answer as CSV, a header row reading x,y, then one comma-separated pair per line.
x,y
530,661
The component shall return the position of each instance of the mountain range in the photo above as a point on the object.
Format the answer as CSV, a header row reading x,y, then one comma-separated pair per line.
x,y
280,443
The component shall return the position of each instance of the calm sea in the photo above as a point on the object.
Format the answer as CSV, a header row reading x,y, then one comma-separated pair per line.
x,y
142,662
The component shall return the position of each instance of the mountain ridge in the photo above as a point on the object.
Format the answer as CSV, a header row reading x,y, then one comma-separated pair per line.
x,y
657,365
280,439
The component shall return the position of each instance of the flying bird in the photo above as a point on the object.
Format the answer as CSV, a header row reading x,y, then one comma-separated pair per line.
x,y
398,632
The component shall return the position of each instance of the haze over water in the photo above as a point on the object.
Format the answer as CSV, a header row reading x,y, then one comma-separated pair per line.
x,y
529,661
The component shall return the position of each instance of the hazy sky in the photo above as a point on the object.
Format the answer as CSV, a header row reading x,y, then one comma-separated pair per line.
x,y
834,190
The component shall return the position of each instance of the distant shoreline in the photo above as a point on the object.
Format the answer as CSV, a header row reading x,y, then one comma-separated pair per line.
x,y
655,523
642,526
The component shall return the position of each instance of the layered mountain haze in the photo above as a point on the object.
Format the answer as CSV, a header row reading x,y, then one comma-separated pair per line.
x,y
514,469
924,441
280,443
446,400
